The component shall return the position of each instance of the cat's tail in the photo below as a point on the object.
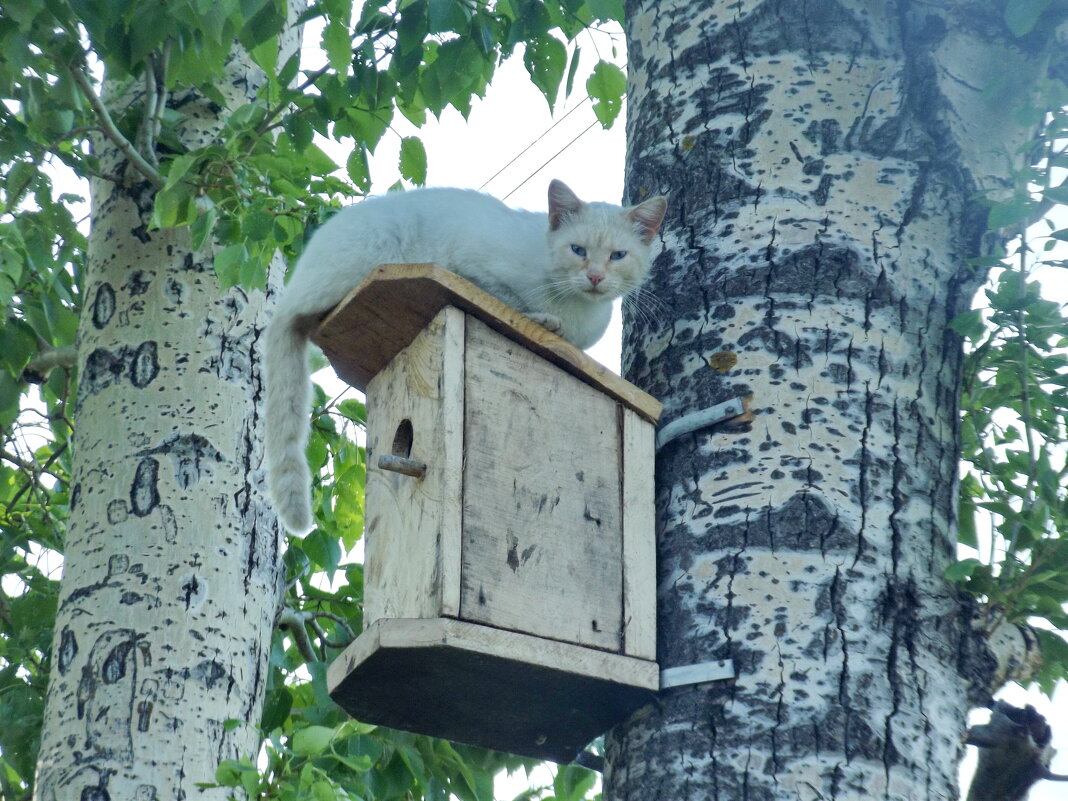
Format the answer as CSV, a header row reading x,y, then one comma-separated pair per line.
x,y
288,401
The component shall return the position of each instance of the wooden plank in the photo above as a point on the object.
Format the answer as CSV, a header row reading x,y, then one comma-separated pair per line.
x,y
383,314
452,435
639,537
542,532
496,689
406,515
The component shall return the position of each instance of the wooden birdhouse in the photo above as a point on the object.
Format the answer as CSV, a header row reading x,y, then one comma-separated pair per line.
x,y
509,596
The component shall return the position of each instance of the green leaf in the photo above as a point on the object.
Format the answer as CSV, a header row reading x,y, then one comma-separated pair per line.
x,y
545,59
969,324
228,262
571,70
312,740
1018,209
1058,194
962,570
413,160
337,42
1022,15
607,85
354,410
358,169
10,394
607,10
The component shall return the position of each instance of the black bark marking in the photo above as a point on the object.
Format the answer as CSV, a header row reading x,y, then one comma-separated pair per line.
x,y
145,365
103,305
68,649
192,454
193,591
99,792
144,716
144,494
170,525
513,556
174,290
113,668
112,660
208,673
138,284
118,512
103,368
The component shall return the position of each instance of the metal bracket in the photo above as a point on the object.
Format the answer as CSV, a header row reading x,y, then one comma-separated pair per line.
x,y
735,407
697,674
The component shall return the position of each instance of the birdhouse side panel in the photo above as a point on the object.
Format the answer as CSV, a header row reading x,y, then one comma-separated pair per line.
x,y
639,537
415,410
542,534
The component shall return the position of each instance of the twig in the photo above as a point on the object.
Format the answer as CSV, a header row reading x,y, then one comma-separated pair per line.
x,y
33,479
293,622
47,360
112,132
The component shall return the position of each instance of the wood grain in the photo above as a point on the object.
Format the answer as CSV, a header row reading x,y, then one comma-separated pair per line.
x,y
413,524
542,532
639,537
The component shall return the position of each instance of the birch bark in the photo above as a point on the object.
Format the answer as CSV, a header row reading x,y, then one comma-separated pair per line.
x,y
822,160
173,571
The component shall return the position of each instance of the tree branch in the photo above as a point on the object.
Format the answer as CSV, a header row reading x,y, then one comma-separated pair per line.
x,y
112,132
47,360
293,621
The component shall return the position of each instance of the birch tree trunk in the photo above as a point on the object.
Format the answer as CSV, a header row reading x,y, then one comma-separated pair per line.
x,y
173,570
822,160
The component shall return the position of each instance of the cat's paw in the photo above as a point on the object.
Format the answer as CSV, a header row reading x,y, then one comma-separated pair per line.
x,y
549,321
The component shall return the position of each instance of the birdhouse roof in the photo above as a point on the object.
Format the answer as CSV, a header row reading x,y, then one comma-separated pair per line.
x,y
395,302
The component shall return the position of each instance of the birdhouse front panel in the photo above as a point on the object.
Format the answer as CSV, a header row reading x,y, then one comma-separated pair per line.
x,y
415,411
542,537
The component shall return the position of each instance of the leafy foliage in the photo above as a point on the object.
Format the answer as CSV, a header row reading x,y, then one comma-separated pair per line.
x,y
251,191
1014,501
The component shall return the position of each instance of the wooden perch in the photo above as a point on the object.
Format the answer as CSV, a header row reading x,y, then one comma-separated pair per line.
x,y
1014,754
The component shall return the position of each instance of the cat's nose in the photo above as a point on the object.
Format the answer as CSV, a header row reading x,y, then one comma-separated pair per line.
x,y
595,278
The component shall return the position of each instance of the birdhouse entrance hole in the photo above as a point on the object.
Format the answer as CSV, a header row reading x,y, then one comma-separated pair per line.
x,y
402,440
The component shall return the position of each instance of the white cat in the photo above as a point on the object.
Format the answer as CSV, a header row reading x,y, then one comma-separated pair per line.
x,y
562,269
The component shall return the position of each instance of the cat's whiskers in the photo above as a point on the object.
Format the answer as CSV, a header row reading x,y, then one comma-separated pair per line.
x,y
644,305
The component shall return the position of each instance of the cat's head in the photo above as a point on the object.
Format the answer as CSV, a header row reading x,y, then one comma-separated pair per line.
x,y
599,250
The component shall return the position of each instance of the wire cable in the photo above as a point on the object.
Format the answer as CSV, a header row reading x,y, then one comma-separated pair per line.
x,y
535,141
549,160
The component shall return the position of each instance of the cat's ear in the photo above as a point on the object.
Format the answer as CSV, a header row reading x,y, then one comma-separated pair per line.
x,y
648,215
562,203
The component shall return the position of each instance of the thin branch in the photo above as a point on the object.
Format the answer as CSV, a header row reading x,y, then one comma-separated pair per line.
x,y
293,622
33,479
320,633
49,359
112,132
337,619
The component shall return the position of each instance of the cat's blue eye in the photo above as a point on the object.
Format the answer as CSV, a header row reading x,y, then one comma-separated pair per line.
x,y
618,254
579,251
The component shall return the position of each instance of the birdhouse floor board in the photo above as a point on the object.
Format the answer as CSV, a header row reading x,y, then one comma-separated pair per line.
x,y
396,301
483,686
